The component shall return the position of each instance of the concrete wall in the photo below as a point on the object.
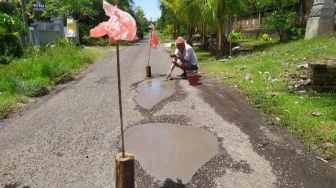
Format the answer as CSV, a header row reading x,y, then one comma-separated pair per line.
x,y
247,23
46,32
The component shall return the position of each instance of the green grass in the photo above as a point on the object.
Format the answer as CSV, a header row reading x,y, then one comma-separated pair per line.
x,y
164,38
36,73
263,76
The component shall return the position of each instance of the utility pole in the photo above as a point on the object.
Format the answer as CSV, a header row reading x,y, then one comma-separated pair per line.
x,y
25,21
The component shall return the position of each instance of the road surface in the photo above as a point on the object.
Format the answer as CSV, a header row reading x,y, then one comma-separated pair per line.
x,y
70,137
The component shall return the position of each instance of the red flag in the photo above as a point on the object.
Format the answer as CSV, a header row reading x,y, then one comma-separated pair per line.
x,y
120,26
154,40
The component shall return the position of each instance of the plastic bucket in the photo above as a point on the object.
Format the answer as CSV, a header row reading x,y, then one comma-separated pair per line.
x,y
193,79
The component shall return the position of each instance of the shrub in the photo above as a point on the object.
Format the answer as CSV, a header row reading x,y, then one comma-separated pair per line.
x,y
266,37
6,59
297,33
31,51
35,88
9,8
10,47
235,35
168,30
87,40
11,24
8,103
63,75
281,21
10,27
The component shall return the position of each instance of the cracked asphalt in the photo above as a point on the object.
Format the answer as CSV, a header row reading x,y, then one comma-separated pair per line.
x,y
70,137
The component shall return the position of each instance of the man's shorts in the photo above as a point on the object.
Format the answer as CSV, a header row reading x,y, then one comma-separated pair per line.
x,y
191,67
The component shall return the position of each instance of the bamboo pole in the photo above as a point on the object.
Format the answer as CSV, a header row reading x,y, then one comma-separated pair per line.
x,y
124,169
120,103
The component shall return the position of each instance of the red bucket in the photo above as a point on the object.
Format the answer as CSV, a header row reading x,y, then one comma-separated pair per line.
x,y
193,79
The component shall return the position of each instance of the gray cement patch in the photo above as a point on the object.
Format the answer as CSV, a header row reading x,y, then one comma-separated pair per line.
x,y
168,151
151,92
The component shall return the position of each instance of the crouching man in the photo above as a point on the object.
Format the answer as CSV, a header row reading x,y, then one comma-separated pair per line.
x,y
184,58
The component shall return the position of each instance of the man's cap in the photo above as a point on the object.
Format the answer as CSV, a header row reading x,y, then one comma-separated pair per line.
x,y
179,40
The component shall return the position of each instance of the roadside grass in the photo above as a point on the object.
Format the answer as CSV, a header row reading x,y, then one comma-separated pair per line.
x,y
41,69
267,75
164,38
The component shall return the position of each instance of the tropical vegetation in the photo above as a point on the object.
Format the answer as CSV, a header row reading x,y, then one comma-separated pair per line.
x,y
88,13
203,17
31,71
11,26
39,71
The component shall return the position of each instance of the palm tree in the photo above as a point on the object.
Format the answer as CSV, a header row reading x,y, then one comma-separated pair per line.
x,y
189,11
171,10
221,10
196,16
202,14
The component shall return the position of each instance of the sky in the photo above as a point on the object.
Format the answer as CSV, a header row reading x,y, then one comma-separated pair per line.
x,y
150,7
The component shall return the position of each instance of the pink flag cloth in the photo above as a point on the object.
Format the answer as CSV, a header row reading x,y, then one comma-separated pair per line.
x,y
120,26
154,40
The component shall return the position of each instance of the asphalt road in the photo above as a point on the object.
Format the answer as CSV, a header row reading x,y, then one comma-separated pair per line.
x,y
70,137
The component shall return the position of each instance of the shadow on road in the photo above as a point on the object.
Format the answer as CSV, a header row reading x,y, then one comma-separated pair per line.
x,y
169,183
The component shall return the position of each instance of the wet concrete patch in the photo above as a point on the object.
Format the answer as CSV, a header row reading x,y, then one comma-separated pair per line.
x,y
204,177
153,91
178,96
172,119
169,151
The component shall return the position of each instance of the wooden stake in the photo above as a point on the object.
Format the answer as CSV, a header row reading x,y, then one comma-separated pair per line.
x,y
148,67
124,171
148,71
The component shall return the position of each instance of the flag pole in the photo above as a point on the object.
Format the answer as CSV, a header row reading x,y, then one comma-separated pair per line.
x,y
148,67
124,169
119,92
149,47
120,102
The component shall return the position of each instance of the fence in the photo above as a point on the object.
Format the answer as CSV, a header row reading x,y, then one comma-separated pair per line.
x,y
46,32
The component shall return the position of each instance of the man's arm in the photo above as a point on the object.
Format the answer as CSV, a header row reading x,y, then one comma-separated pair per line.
x,y
171,70
177,57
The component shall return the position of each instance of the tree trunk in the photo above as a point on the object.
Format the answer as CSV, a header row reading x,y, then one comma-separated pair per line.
x,y
175,31
190,33
300,10
283,34
203,35
220,24
25,21
219,41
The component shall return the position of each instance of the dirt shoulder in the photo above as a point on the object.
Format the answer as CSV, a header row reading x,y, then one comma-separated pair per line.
x,y
293,166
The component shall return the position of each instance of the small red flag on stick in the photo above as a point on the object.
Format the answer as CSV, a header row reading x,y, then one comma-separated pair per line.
x,y
154,40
